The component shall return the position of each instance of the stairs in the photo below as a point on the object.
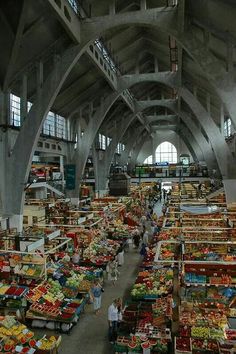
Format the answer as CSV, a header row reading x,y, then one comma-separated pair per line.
x,y
52,186
215,193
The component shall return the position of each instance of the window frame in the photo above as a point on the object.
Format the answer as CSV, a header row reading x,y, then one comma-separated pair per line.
x,y
166,152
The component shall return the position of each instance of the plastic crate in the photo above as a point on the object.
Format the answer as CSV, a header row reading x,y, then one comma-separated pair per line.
x,y
120,348
70,292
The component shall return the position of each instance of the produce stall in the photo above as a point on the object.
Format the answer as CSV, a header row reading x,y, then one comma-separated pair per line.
x,y
152,284
16,337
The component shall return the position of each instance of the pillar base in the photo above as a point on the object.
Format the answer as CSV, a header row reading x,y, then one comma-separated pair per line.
x,y
16,221
100,193
75,201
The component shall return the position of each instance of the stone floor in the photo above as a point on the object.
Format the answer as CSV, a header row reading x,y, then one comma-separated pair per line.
x,y
89,336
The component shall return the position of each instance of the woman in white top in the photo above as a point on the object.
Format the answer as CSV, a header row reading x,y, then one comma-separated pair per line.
x,y
112,321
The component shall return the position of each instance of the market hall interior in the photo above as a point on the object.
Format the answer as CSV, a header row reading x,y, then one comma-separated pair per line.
x,y
111,99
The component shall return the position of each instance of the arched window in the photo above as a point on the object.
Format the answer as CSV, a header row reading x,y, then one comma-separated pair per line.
x,y
148,160
166,152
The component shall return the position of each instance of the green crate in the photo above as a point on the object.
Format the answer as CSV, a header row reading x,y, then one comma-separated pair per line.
x,y
120,348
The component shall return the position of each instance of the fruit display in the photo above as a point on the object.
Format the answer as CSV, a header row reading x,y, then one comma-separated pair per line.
x,y
222,235
54,301
201,316
169,234
167,251
16,337
200,332
84,286
204,222
48,343
137,343
209,251
100,251
156,283
12,291
162,307
21,265
183,345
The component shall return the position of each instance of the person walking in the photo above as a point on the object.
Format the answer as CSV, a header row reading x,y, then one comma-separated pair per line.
x,y
136,238
120,256
120,311
114,272
164,193
96,296
164,209
113,321
146,238
143,250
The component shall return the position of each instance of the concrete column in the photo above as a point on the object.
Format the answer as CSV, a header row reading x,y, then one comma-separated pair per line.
x,y
62,167
23,99
230,61
207,37
222,119
143,4
208,103
156,65
39,75
4,107
153,151
16,221
112,7
137,67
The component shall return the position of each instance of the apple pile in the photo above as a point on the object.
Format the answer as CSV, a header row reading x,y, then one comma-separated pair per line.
x,y
183,344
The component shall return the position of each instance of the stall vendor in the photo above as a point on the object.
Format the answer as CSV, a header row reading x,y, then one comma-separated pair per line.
x,y
66,258
76,257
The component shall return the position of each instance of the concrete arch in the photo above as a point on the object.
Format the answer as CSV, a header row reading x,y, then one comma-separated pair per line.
x,y
89,135
104,164
21,154
222,153
183,134
23,149
163,19
131,138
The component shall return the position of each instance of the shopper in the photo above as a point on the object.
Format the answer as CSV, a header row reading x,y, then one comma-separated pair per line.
x,y
66,258
108,270
114,272
164,209
136,238
120,256
199,190
113,321
146,238
143,250
96,291
164,193
120,311
76,257
143,220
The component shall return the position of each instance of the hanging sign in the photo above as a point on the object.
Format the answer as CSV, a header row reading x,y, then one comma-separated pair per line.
x,y
70,176
164,163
